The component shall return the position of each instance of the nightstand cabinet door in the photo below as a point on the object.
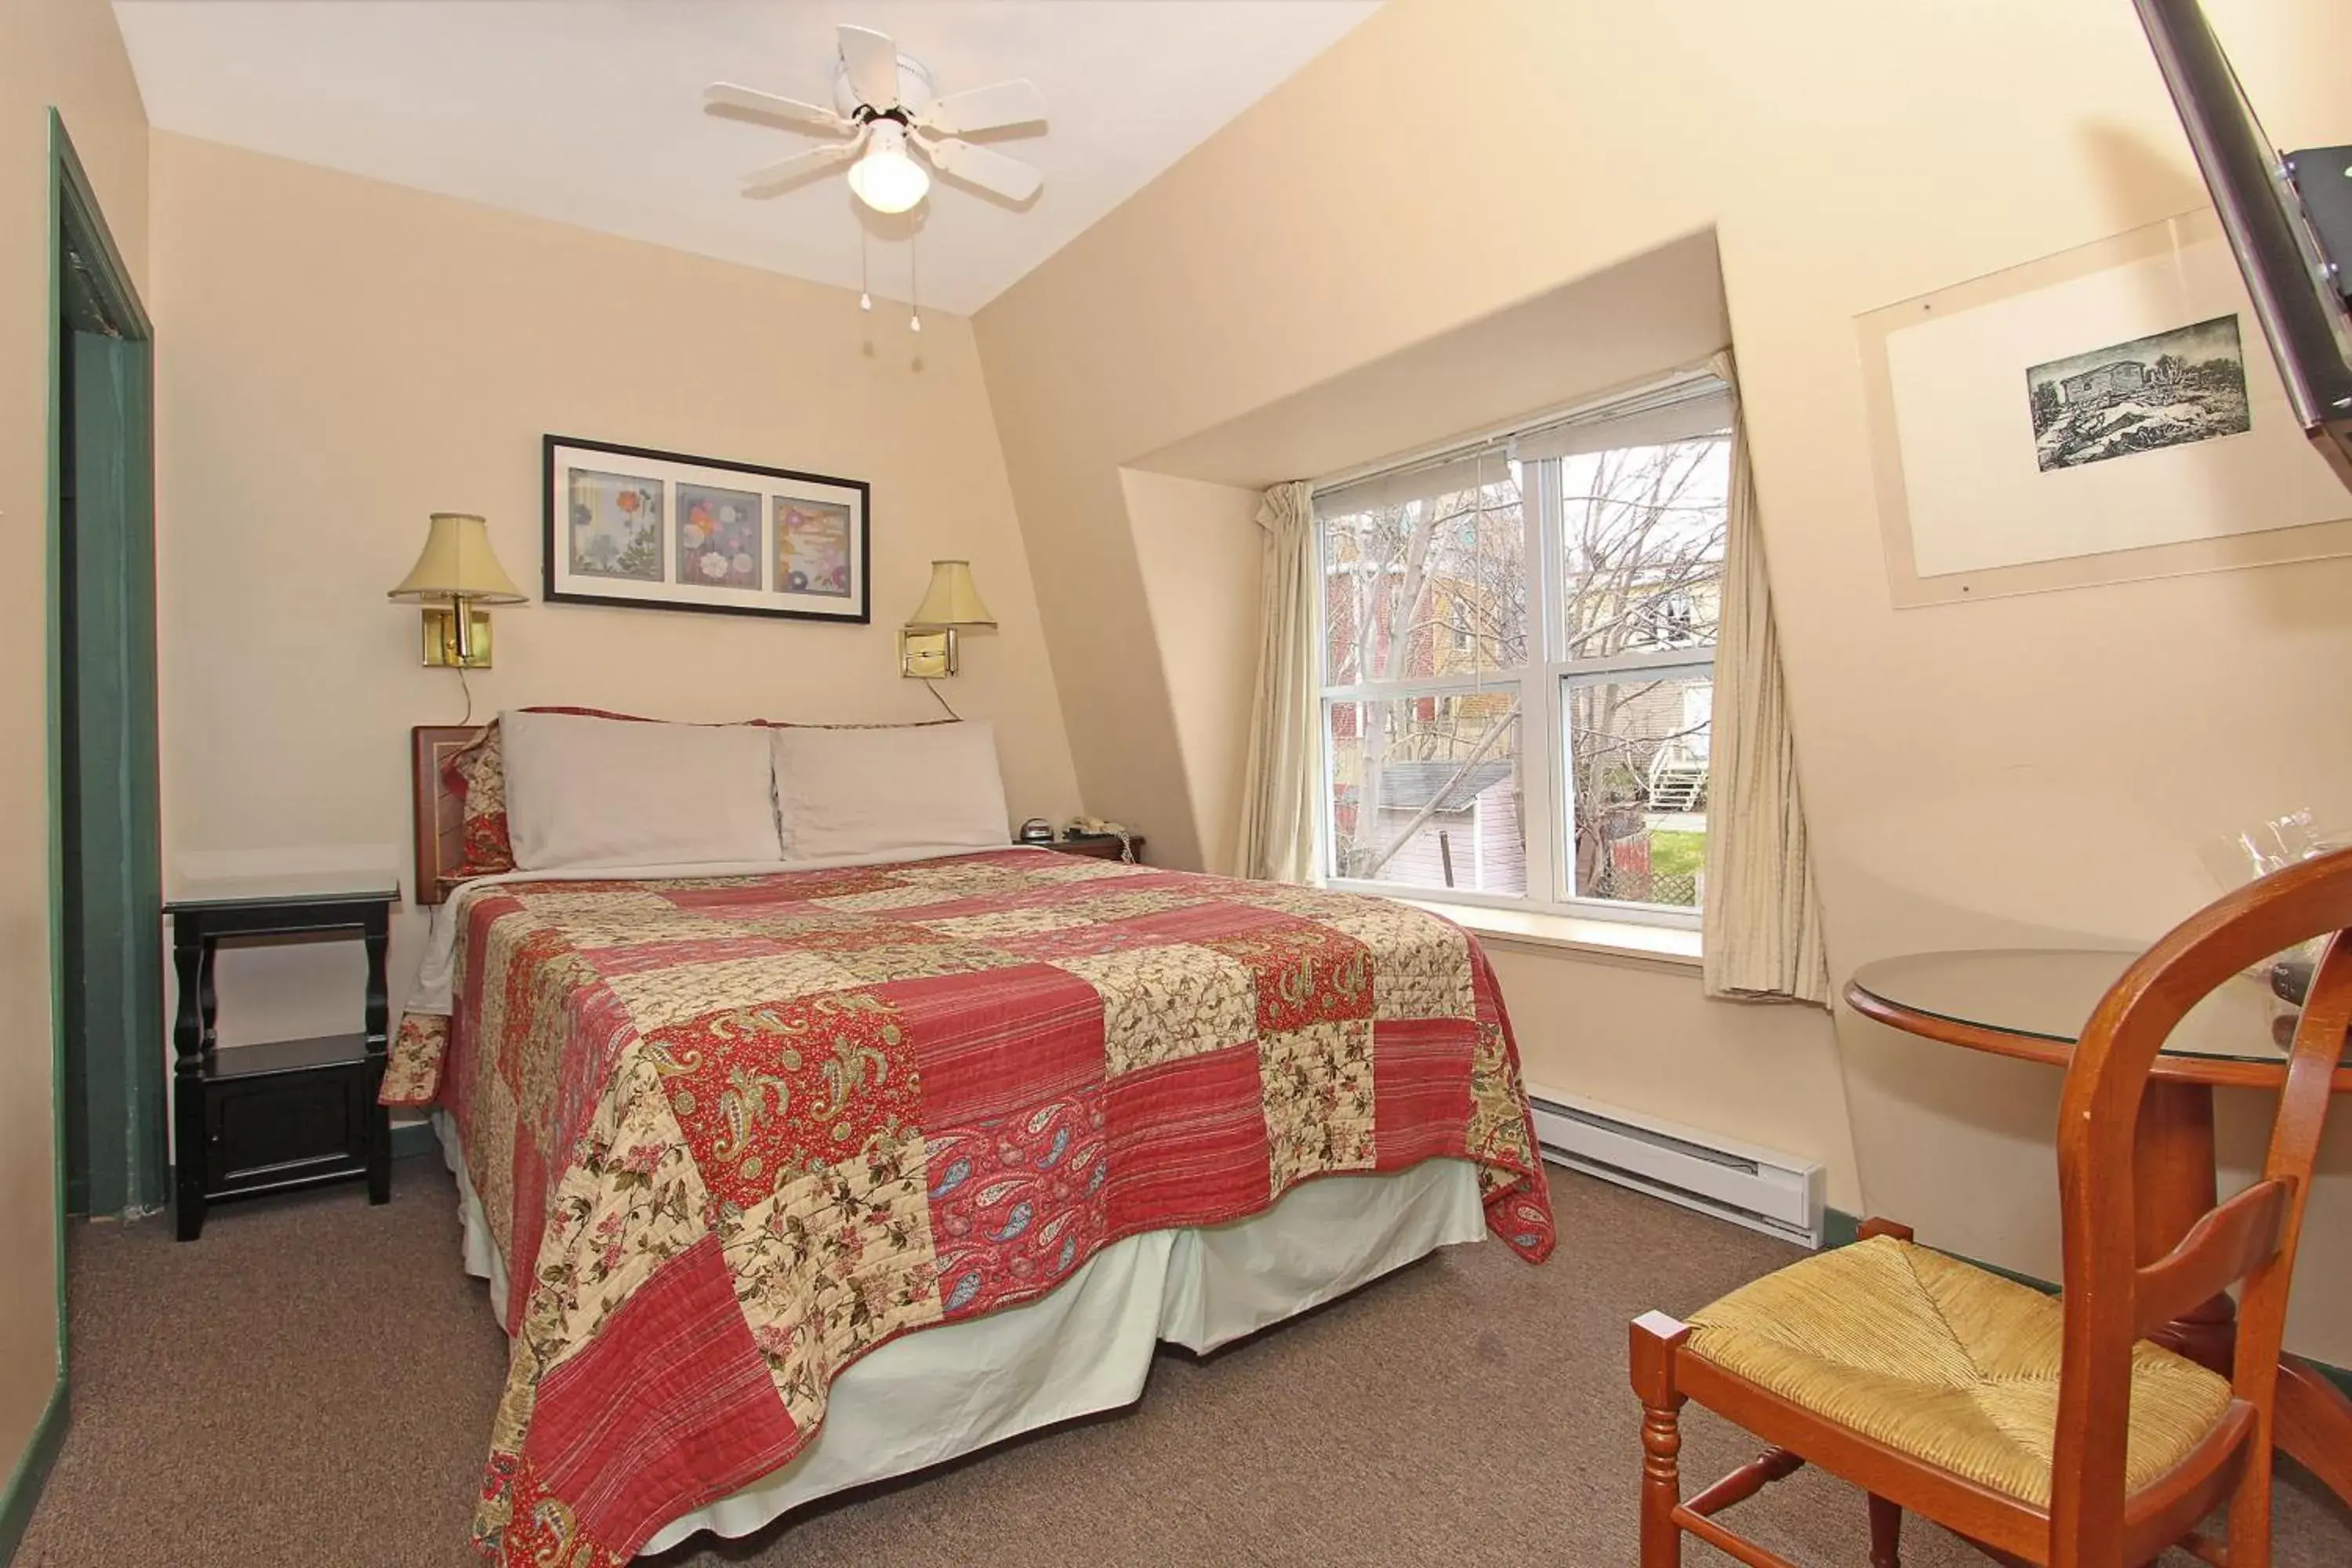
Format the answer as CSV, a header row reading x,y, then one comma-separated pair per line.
x,y
287,1129
1101,846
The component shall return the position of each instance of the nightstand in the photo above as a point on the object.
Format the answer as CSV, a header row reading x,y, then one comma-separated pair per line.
x,y
1101,846
272,1118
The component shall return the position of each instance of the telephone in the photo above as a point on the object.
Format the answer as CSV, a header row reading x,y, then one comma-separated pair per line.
x,y
1097,827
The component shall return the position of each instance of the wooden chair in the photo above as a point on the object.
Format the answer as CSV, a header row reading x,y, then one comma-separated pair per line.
x,y
2047,1431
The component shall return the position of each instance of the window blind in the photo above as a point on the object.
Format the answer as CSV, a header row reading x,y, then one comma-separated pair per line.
x,y
1444,476
1685,419
1682,410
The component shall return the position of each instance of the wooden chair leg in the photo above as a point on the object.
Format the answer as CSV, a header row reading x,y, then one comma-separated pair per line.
x,y
1885,1533
1655,1339
2250,1506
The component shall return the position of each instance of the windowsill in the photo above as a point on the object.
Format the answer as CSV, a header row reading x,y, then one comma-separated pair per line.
x,y
1569,934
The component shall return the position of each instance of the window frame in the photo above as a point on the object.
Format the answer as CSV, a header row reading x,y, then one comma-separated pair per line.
x,y
1545,767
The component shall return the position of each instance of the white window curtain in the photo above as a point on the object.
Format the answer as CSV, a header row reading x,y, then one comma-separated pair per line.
x,y
1277,828
1761,919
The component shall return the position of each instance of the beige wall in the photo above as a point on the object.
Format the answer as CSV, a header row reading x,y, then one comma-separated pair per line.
x,y
64,53
344,356
2035,769
1573,343
1198,550
1638,1034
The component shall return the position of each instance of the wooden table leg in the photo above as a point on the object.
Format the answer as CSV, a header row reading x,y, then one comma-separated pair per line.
x,y
377,1022
2172,1180
192,963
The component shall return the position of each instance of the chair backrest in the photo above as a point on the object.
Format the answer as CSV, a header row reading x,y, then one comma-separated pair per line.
x,y
2112,1298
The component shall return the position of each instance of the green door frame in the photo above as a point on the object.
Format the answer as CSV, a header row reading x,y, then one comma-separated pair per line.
x,y
96,292
112,894
112,1162
90,292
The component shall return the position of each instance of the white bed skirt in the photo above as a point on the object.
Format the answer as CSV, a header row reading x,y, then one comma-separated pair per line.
x,y
1087,1347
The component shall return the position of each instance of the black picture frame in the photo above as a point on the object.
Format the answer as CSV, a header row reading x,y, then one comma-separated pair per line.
x,y
584,562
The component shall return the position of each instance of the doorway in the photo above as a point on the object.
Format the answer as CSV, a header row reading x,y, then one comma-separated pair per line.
x,y
106,850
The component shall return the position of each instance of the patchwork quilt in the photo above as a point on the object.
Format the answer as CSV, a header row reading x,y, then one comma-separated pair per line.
x,y
732,1133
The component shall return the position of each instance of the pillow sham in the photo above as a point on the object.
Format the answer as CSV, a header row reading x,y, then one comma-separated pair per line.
x,y
595,792
476,774
872,793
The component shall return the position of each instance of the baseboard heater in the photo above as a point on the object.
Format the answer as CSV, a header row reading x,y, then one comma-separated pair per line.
x,y
1778,1195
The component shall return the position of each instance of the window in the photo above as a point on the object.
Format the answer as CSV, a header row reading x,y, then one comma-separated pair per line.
x,y
1519,662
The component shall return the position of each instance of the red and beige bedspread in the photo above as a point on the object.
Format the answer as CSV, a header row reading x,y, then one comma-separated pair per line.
x,y
732,1133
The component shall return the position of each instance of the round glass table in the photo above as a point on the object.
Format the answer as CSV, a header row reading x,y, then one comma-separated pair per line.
x,y
2033,1003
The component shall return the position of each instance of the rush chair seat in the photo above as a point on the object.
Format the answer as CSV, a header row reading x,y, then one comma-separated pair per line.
x,y
1943,1362
2047,1430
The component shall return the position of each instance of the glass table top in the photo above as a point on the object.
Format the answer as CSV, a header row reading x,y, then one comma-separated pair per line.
x,y
2047,994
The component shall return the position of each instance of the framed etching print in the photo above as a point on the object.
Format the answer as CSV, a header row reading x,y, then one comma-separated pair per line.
x,y
662,530
2104,414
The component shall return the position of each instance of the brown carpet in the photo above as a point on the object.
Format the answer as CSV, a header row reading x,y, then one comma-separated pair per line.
x,y
311,1384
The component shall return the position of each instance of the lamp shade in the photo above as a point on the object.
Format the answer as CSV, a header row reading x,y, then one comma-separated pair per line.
x,y
952,600
457,564
886,178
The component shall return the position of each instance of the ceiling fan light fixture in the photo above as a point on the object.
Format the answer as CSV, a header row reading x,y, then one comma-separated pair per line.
x,y
885,112
886,178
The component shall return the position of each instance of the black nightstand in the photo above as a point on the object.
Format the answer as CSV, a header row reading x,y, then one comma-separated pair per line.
x,y
291,1113
1101,846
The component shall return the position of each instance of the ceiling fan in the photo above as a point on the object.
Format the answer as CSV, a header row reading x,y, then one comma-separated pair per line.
x,y
884,105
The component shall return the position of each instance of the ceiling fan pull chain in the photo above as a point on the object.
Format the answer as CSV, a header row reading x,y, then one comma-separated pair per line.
x,y
864,295
914,291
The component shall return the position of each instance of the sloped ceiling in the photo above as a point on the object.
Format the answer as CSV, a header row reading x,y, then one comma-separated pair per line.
x,y
590,112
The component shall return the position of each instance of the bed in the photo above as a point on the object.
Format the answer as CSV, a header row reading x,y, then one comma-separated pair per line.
x,y
833,1166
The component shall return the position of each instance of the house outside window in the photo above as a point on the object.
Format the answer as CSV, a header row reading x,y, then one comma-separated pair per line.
x,y
1518,649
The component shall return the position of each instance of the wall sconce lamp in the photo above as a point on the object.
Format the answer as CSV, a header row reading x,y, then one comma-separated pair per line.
x,y
927,645
455,579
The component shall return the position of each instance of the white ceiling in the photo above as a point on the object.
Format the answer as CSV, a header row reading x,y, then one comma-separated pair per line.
x,y
589,112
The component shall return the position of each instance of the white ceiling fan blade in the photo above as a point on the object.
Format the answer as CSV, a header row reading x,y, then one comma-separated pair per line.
x,y
873,63
725,97
776,178
1008,177
987,108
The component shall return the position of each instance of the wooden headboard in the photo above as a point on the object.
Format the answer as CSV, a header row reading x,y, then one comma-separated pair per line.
x,y
439,813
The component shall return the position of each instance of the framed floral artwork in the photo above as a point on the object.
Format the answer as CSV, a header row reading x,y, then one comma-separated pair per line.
x,y
662,530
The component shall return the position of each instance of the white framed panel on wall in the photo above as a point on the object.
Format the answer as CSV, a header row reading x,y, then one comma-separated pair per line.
x,y
2106,414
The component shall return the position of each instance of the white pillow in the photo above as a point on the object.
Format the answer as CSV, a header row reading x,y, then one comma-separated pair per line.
x,y
875,794
584,792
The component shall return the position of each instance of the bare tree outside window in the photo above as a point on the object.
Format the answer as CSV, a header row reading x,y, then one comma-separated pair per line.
x,y
1432,589
1642,568
1442,660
